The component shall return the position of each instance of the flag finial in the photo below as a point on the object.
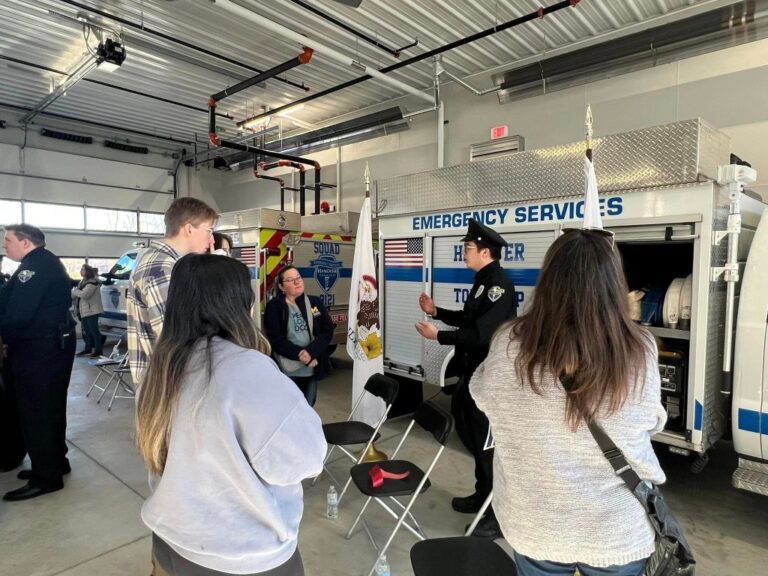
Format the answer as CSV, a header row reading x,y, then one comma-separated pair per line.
x,y
588,123
367,177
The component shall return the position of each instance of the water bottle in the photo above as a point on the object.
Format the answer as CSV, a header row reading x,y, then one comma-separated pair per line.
x,y
382,566
332,509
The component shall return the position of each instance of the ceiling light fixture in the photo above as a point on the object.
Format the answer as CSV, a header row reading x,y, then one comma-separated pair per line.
x,y
110,55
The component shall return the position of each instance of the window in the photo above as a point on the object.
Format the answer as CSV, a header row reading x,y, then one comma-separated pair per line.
x,y
10,212
54,215
8,266
123,267
111,220
151,223
73,265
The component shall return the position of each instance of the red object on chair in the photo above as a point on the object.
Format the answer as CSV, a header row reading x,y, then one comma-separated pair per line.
x,y
378,475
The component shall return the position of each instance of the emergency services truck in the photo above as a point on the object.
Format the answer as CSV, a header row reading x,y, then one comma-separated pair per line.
x,y
684,226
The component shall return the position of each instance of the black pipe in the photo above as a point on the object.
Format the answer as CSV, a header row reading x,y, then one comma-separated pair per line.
x,y
274,179
317,190
107,85
540,13
302,192
152,32
99,124
302,58
394,51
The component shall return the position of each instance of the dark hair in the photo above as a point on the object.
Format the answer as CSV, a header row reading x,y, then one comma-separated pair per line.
x,y
218,240
283,270
90,272
186,210
579,327
27,232
218,291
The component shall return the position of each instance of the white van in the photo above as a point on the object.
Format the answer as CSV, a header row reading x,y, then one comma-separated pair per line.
x,y
114,290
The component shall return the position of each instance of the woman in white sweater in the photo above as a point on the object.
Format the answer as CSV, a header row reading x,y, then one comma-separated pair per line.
x,y
575,356
226,437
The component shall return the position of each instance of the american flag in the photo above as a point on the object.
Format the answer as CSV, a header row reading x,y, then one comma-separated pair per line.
x,y
246,255
404,253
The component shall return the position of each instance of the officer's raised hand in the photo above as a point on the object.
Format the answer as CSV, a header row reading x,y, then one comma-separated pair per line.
x,y
427,304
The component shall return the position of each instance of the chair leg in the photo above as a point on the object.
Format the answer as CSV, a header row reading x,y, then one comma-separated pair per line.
x,y
360,515
104,390
114,394
343,490
399,523
479,515
95,381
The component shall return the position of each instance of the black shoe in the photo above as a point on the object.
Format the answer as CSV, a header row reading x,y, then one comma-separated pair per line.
x,y
83,353
488,527
468,505
30,491
26,474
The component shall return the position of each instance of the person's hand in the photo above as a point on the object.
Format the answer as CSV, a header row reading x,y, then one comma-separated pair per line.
x,y
427,329
427,304
304,357
313,363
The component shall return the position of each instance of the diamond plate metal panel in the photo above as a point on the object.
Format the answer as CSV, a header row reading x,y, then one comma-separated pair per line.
x,y
671,154
752,476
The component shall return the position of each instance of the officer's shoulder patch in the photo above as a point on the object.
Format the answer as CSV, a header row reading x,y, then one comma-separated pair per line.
x,y
479,290
495,293
26,275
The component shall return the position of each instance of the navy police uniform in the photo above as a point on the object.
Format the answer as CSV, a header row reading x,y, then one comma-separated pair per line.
x,y
37,327
490,303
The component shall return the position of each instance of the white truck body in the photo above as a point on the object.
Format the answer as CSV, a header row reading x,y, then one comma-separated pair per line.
x,y
658,193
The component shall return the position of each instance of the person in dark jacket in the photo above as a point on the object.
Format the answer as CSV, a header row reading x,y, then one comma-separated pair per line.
x,y
38,329
300,330
490,303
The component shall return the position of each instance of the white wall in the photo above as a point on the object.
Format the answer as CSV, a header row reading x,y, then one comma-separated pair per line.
x,y
726,88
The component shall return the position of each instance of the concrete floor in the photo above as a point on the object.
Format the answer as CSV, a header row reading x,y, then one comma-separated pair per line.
x,y
92,527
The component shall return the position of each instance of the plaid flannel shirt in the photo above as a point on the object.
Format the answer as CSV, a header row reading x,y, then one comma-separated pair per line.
x,y
145,304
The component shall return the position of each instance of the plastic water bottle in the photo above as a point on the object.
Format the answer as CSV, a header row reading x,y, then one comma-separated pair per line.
x,y
332,509
382,566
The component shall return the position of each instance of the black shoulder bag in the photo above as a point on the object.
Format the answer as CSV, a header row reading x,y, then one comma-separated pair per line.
x,y
673,555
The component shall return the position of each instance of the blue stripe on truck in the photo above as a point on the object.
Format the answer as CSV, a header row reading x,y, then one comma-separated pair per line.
x,y
520,276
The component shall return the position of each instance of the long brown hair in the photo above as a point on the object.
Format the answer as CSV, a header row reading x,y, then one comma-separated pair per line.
x,y
208,296
579,327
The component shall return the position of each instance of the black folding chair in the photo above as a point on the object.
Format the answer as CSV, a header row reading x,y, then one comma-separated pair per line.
x,y
439,424
461,556
352,432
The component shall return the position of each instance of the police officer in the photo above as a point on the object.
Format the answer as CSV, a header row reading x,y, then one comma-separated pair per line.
x,y
38,330
490,303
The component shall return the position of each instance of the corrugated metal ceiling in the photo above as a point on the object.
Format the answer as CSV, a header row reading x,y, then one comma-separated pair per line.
x,y
38,36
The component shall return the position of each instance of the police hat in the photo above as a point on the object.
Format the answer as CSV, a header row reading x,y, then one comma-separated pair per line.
x,y
476,232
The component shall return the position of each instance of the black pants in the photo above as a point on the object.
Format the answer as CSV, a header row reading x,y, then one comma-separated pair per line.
x,y
40,371
472,428
12,447
172,564
91,334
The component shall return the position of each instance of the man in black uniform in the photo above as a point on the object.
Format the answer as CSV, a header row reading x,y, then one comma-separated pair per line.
x,y
38,330
490,303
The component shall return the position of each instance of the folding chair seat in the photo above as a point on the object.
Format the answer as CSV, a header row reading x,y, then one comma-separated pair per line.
x,y
439,424
461,556
352,432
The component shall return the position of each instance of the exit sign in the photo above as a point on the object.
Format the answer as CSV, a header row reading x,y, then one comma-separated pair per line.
x,y
499,132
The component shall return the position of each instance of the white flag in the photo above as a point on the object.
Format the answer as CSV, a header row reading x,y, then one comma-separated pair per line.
x,y
592,217
364,341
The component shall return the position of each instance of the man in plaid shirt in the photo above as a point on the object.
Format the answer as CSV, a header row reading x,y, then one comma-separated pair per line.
x,y
188,228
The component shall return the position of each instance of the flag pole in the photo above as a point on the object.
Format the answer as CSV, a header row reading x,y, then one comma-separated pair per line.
x,y
588,123
367,181
592,218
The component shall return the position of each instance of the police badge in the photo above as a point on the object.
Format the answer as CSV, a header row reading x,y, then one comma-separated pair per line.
x,y
495,293
26,275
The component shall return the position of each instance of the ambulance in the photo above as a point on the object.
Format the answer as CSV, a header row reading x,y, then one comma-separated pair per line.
x,y
686,228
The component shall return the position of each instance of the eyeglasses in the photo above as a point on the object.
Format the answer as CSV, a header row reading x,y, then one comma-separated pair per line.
x,y
607,234
208,230
294,281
